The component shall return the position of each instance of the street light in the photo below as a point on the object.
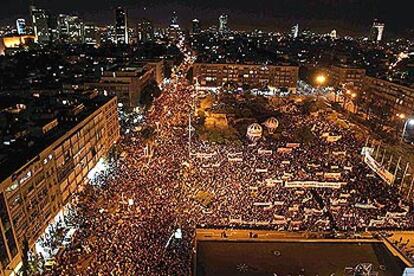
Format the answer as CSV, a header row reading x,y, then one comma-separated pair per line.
x,y
320,79
408,123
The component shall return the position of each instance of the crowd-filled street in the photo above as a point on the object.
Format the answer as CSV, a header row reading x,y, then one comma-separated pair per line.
x,y
140,219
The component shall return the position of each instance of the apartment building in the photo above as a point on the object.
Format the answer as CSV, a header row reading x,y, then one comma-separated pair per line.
x,y
347,76
126,83
41,170
253,75
399,97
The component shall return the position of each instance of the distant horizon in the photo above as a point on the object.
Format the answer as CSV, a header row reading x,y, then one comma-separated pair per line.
x,y
348,17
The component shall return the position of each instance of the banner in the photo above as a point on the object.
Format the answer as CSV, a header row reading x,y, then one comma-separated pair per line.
x,y
332,139
264,152
235,159
367,150
293,145
263,204
376,167
313,184
365,206
284,150
335,176
273,182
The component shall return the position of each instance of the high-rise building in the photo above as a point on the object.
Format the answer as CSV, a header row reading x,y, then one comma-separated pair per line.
x,y
295,31
145,30
91,35
174,19
377,31
333,34
174,30
21,26
53,28
121,26
70,28
223,23
196,26
40,20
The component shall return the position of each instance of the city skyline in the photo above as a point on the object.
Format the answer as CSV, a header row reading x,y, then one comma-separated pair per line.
x,y
348,17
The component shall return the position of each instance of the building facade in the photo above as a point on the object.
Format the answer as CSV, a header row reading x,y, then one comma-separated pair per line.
x,y
345,76
32,195
70,28
196,27
40,20
253,75
399,99
126,83
121,26
21,26
145,30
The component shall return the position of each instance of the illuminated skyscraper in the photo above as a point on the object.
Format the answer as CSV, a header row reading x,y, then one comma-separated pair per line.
x,y
91,35
121,26
174,30
223,23
145,30
377,31
333,34
40,19
174,19
196,26
21,26
70,28
295,31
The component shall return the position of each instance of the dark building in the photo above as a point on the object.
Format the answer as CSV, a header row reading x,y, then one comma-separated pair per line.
x,y
121,26
145,30
40,20
196,26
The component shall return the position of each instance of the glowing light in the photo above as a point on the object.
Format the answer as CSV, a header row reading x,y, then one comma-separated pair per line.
x,y
178,234
320,79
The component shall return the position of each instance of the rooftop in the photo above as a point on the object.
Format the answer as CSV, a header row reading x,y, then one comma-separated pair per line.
x,y
30,122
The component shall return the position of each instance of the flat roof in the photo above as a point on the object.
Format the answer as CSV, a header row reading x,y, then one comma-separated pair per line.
x,y
19,153
292,258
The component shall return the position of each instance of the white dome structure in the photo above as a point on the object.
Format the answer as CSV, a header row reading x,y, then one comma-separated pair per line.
x,y
254,132
271,124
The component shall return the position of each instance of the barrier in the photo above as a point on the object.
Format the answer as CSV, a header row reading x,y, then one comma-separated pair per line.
x,y
293,145
313,184
378,169
264,152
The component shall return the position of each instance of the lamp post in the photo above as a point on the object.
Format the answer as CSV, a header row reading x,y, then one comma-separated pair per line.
x,y
320,80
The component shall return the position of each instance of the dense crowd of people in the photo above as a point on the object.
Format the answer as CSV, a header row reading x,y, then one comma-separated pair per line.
x,y
140,216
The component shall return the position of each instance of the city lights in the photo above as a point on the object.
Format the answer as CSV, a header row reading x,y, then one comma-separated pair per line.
x,y
142,140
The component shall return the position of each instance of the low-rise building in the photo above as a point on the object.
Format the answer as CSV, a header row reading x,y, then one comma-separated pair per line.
x,y
342,75
397,97
252,75
126,83
157,65
41,170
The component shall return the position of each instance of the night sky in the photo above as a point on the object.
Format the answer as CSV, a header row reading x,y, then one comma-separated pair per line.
x,y
322,15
